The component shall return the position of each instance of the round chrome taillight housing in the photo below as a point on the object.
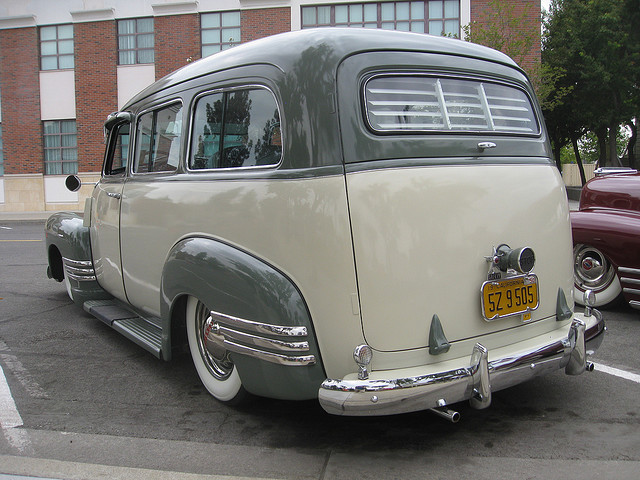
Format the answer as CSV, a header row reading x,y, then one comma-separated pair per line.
x,y
363,354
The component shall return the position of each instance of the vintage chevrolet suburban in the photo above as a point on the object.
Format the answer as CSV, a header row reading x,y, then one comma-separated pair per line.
x,y
366,217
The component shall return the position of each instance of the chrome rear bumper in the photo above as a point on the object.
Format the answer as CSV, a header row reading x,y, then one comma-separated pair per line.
x,y
474,382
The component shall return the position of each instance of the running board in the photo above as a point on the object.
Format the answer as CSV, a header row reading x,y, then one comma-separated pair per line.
x,y
145,332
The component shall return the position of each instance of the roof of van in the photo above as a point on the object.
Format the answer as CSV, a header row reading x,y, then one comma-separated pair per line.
x,y
285,49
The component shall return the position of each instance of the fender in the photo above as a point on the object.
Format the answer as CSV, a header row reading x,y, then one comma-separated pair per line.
x,y
233,282
68,246
615,233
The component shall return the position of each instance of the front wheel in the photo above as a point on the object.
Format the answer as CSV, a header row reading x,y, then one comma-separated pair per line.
x,y
592,270
214,365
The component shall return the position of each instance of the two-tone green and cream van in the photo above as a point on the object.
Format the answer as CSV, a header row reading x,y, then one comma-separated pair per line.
x,y
369,218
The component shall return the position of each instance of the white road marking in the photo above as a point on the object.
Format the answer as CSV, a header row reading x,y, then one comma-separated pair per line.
x,y
14,365
617,372
10,418
6,228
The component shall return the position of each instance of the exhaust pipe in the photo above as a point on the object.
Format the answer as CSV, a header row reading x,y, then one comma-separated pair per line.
x,y
447,413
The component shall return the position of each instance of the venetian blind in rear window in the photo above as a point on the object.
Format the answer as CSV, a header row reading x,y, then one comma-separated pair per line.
x,y
417,103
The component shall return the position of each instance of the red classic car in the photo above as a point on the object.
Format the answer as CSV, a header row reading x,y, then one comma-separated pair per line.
x,y
606,239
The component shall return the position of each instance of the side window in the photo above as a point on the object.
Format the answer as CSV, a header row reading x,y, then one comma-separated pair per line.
x,y
118,150
239,128
158,140
207,128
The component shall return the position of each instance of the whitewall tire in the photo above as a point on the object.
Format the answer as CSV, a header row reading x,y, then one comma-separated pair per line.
x,y
216,371
592,270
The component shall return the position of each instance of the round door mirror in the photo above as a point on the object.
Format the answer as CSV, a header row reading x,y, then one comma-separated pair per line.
x,y
73,183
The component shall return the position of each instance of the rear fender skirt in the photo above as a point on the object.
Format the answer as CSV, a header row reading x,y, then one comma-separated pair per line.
x,y
236,284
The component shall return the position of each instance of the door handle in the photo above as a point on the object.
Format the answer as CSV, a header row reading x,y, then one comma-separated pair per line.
x,y
482,146
114,195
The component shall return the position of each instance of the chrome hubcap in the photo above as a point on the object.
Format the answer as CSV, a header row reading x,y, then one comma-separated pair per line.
x,y
211,345
591,270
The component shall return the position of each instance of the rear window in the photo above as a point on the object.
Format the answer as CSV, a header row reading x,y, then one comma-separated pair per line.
x,y
421,103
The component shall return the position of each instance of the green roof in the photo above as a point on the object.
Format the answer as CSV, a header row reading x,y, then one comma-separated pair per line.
x,y
295,49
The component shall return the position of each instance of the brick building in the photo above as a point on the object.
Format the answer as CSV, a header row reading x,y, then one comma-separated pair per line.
x,y
65,65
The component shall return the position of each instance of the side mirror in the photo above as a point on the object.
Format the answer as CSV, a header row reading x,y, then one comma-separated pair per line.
x,y
73,183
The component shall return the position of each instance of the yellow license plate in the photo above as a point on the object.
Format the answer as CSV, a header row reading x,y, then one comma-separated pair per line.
x,y
510,296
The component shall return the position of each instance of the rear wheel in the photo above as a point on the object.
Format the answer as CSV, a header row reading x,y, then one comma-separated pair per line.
x,y
213,364
592,270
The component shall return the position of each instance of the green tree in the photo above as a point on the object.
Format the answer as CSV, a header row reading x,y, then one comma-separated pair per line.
x,y
501,27
632,12
593,42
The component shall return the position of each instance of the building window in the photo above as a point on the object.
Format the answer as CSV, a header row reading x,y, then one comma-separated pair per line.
x,y
444,17
135,41
1,153
60,147
56,47
219,31
437,17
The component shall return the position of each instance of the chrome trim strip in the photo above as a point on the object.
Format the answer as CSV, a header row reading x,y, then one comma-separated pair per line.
x,y
77,263
259,327
633,271
287,360
235,335
81,278
79,270
633,281
634,304
408,394
632,291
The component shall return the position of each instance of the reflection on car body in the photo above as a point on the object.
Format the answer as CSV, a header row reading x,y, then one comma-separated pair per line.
x,y
369,218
